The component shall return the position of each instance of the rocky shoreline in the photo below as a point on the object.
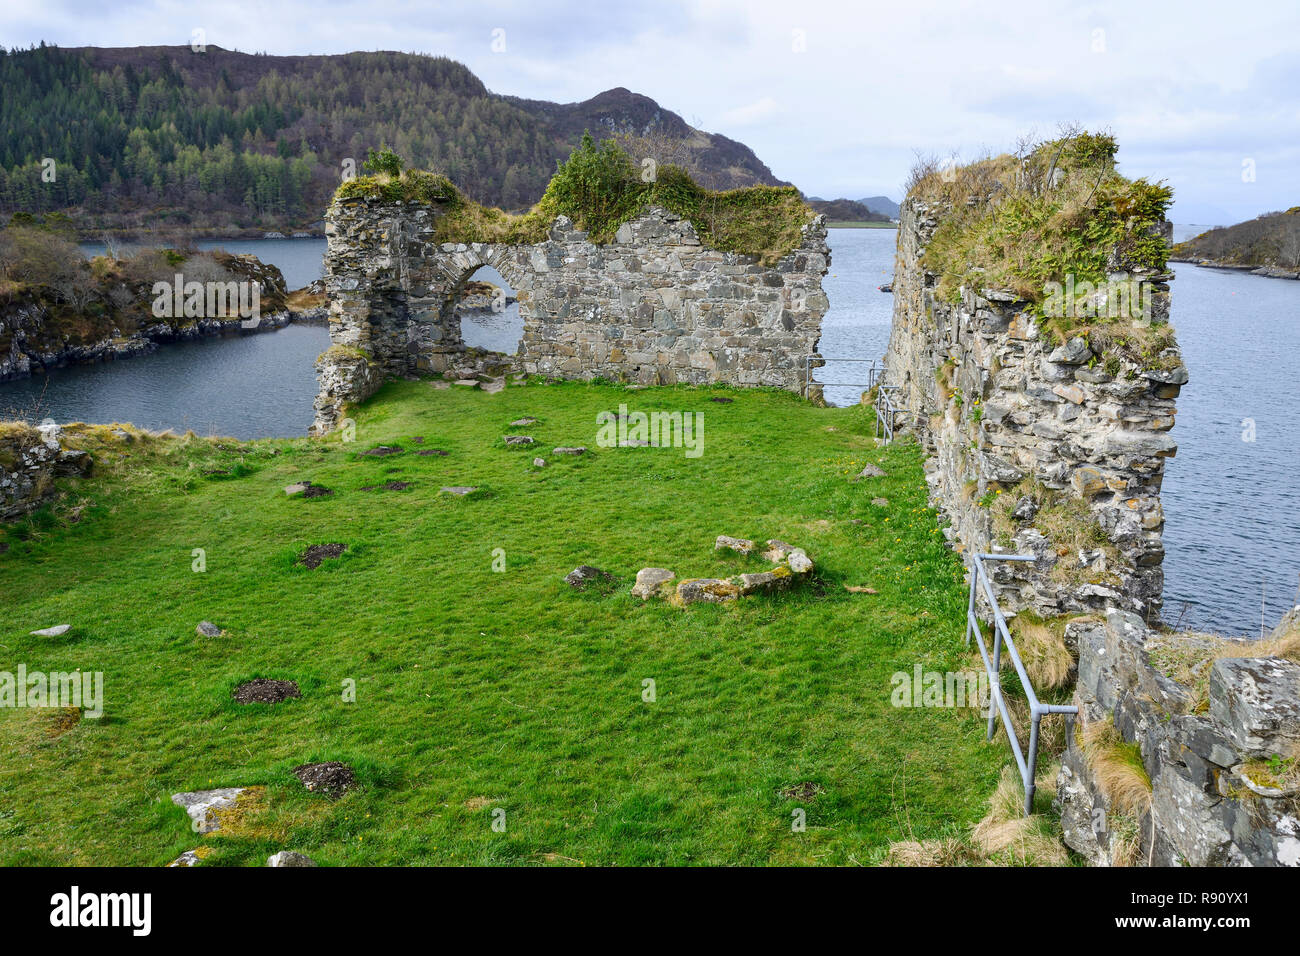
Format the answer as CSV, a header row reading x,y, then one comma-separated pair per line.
x,y
22,355
1271,272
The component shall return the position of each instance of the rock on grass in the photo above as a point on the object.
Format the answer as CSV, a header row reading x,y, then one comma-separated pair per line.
x,y
58,630
584,575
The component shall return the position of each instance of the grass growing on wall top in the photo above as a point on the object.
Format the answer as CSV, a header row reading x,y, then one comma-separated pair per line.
x,y
478,689
1056,209
599,188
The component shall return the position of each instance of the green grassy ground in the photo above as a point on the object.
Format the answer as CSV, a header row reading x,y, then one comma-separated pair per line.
x,y
478,689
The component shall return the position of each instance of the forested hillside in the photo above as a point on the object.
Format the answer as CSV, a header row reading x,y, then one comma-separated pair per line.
x,y
1271,240
220,141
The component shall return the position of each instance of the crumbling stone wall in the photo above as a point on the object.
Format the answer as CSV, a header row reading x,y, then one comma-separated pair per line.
x,y
654,306
1211,802
1003,411
30,460
1016,427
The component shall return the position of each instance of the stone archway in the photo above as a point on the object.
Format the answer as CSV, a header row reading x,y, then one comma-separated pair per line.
x,y
652,306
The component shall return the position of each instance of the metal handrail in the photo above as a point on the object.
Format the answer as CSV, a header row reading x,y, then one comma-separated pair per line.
x,y
886,410
873,373
1028,766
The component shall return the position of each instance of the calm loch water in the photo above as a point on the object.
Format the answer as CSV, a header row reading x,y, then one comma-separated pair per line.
x,y
1231,495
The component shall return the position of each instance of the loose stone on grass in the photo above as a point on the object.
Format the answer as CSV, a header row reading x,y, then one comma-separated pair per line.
x,y
870,471
289,858
381,451
523,422
584,575
776,550
266,691
296,488
220,810
388,486
207,629
798,561
191,857
539,462
519,440
880,502
313,556
726,542
458,489
332,778
650,582
58,630
426,452
570,451
709,590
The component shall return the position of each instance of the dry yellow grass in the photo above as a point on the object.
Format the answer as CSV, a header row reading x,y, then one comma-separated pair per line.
x,y
1043,652
1189,658
1117,768
1004,837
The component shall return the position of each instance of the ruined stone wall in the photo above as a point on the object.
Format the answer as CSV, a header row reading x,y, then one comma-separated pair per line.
x,y
654,306
30,460
1034,447
1213,798
1027,439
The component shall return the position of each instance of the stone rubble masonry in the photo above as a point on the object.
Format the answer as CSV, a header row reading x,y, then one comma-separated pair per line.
x,y
30,460
1044,414
654,306
1203,810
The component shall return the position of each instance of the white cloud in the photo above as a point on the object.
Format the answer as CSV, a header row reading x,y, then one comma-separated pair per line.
x,y
756,112
1189,86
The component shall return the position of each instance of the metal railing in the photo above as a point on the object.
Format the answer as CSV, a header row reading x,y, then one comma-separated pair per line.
x,y
886,411
1027,764
873,373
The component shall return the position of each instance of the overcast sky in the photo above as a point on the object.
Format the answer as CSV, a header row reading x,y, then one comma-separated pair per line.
x,y
835,97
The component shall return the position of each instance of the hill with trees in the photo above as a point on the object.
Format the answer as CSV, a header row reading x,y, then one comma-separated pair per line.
x,y
1269,243
146,139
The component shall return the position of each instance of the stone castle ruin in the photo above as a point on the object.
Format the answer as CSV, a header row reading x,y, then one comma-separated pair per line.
x,y
1045,440
654,306
1187,747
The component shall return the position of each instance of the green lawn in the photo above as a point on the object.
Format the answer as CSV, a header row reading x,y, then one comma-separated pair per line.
x,y
479,689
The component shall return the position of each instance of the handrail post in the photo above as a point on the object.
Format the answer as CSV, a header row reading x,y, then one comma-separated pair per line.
x,y
1031,764
1027,762
970,605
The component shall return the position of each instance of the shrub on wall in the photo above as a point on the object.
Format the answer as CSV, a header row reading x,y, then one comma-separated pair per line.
x,y
1057,210
599,188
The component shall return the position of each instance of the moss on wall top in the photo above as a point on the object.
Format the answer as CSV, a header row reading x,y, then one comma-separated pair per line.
x,y
599,188
1058,212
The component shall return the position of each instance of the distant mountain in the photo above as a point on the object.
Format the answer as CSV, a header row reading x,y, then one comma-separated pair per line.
x,y
881,204
1270,243
221,142
846,210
